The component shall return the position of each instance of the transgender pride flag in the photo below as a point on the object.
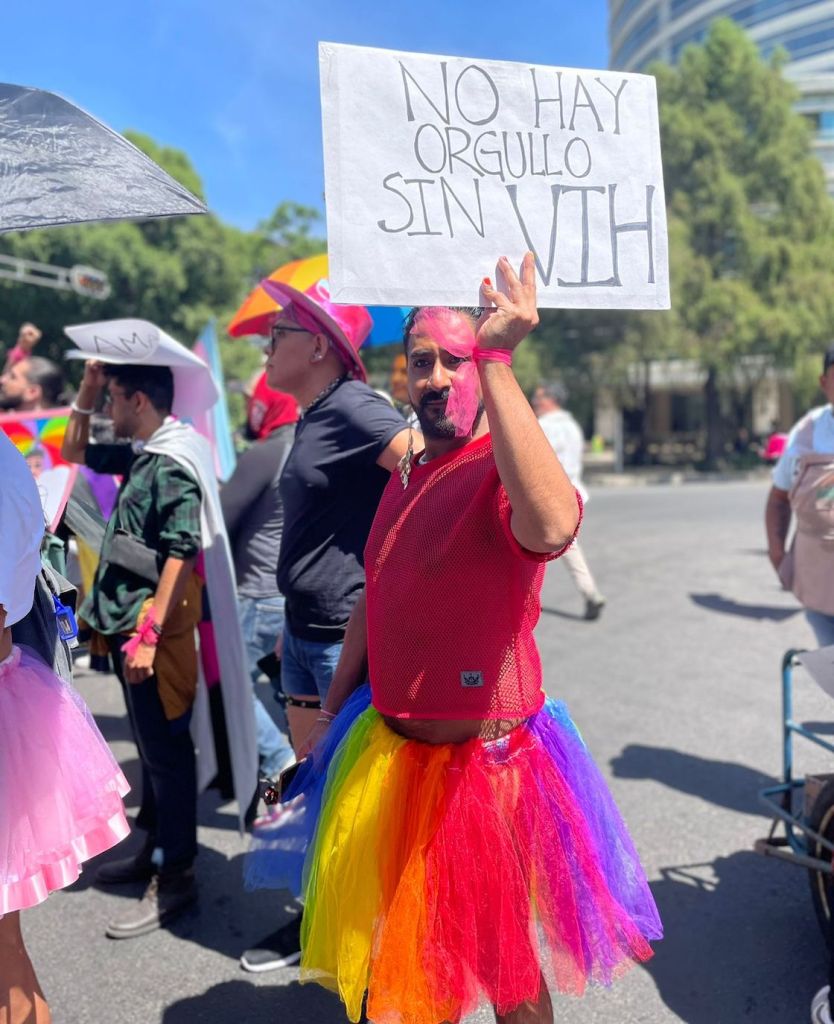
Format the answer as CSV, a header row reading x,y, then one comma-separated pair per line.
x,y
214,424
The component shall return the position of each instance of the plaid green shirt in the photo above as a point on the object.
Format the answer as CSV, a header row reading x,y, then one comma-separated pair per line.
x,y
158,502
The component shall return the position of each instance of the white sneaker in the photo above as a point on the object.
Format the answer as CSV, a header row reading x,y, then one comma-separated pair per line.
x,y
820,1013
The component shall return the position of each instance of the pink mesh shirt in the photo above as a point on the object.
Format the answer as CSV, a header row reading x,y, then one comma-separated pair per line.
x,y
452,596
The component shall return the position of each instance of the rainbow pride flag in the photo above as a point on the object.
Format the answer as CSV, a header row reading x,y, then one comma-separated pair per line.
x,y
38,435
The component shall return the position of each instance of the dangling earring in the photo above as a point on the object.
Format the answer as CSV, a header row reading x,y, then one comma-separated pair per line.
x,y
404,465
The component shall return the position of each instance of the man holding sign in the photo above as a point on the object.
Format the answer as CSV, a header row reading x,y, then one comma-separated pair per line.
x,y
463,845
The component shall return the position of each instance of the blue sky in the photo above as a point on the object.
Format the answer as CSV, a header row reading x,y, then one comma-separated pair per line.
x,y
235,83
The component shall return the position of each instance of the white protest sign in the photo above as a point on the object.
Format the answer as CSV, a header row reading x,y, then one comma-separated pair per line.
x,y
54,487
436,166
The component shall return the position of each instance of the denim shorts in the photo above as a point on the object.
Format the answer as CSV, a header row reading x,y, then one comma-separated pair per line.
x,y
307,666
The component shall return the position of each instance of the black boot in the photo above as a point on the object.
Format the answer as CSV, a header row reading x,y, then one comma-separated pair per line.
x,y
138,868
167,897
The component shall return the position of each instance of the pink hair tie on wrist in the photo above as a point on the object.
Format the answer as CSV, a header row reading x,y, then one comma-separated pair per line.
x,y
462,407
145,634
493,355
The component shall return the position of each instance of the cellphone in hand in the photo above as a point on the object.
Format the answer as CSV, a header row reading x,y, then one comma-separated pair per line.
x,y
275,792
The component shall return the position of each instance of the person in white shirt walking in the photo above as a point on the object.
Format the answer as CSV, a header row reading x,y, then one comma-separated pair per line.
x,y
803,489
565,437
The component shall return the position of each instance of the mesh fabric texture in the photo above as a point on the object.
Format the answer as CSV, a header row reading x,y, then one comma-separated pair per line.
x,y
452,597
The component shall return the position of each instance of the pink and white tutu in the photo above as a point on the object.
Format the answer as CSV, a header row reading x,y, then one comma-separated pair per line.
x,y
61,788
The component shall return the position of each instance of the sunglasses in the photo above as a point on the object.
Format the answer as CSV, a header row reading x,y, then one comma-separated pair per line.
x,y
278,332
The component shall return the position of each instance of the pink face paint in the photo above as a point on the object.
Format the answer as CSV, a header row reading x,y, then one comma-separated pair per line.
x,y
450,330
454,332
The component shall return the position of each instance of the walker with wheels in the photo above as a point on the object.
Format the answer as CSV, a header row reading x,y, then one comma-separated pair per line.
x,y
802,831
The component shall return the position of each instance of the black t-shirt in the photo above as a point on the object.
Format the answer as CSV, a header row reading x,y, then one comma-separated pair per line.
x,y
330,487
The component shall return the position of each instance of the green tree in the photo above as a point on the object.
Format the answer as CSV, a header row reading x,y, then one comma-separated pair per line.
x,y
750,220
751,246
291,229
174,161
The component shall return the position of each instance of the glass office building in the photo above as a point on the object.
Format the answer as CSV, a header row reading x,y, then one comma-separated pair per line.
x,y
641,31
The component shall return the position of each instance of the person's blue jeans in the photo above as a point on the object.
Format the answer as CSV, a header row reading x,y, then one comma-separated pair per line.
x,y
262,620
307,666
822,625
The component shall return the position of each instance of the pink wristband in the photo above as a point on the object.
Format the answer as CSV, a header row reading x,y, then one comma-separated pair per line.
x,y
493,355
145,634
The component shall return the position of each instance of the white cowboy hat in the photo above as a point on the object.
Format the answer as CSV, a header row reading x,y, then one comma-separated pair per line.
x,y
134,342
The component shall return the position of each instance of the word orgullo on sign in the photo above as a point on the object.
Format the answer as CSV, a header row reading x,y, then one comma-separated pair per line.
x,y
440,204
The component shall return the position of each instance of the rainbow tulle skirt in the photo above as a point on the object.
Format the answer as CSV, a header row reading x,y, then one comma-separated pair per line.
x,y
437,878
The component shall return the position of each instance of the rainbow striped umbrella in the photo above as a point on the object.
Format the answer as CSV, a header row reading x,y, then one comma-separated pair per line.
x,y
256,313
257,310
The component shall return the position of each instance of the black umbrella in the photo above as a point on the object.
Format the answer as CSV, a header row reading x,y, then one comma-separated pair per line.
x,y
59,165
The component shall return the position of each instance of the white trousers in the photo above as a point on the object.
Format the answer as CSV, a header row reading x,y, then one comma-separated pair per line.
x,y
580,573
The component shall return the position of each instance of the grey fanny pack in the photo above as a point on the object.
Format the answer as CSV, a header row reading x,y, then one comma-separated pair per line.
x,y
131,553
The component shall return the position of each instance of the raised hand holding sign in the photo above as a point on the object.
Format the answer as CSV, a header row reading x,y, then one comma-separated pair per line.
x,y
510,313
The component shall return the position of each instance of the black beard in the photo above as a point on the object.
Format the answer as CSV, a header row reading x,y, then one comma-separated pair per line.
x,y
10,401
442,428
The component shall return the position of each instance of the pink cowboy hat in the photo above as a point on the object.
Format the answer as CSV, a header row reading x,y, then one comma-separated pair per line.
x,y
346,326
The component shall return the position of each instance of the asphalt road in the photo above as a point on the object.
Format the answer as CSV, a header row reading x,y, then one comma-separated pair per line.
x,y
676,691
